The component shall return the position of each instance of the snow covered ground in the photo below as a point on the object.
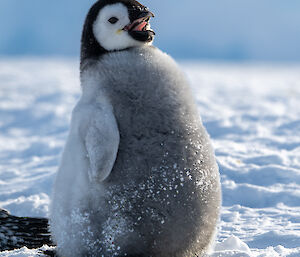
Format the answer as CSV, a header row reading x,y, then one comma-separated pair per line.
x,y
252,113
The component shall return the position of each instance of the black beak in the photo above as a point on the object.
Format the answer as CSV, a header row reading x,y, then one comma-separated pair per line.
x,y
146,13
139,12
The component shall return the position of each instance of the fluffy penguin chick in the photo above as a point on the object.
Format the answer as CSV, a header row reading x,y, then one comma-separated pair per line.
x,y
138,176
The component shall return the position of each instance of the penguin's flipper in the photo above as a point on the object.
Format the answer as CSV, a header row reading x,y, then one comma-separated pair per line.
x,y
102,143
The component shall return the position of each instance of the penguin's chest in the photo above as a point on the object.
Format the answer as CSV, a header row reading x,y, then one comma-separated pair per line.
x,y
153,131
143,111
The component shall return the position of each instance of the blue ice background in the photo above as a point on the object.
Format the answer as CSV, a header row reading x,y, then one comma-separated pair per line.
x,y
267,30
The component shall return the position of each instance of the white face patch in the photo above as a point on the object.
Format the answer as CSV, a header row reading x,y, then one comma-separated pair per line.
x,y
110,35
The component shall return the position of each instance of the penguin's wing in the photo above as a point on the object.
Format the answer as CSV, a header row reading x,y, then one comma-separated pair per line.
x,y
102,143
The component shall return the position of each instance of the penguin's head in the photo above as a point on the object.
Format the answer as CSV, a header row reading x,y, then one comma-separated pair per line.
x,y
113,25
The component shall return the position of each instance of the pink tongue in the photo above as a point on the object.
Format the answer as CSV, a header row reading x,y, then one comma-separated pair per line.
x,y
140,26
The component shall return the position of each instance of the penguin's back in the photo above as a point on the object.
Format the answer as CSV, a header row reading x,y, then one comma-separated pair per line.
x,y
164,189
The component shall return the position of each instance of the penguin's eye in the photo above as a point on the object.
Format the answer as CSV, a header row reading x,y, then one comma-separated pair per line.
x,y
113,20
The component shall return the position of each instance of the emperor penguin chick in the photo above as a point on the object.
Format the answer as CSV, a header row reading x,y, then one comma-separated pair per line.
x,y
138,176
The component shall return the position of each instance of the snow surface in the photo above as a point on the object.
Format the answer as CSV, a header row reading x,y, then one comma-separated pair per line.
x,y
251,112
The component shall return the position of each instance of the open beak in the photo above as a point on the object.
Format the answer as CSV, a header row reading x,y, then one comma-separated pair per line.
x,y
140,28
141,23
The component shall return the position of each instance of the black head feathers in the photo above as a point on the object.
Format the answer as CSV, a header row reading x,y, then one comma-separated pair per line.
x,y
90,47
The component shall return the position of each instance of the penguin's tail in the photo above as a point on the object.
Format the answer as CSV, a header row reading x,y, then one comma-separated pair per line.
x,y
17,232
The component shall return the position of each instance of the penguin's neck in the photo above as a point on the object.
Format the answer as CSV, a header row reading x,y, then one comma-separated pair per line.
x,y
91,85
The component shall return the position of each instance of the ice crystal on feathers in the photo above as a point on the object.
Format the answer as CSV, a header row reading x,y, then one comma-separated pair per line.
x,y
113,229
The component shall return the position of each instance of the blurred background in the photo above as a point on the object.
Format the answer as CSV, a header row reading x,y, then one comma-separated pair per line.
x,y
248,30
